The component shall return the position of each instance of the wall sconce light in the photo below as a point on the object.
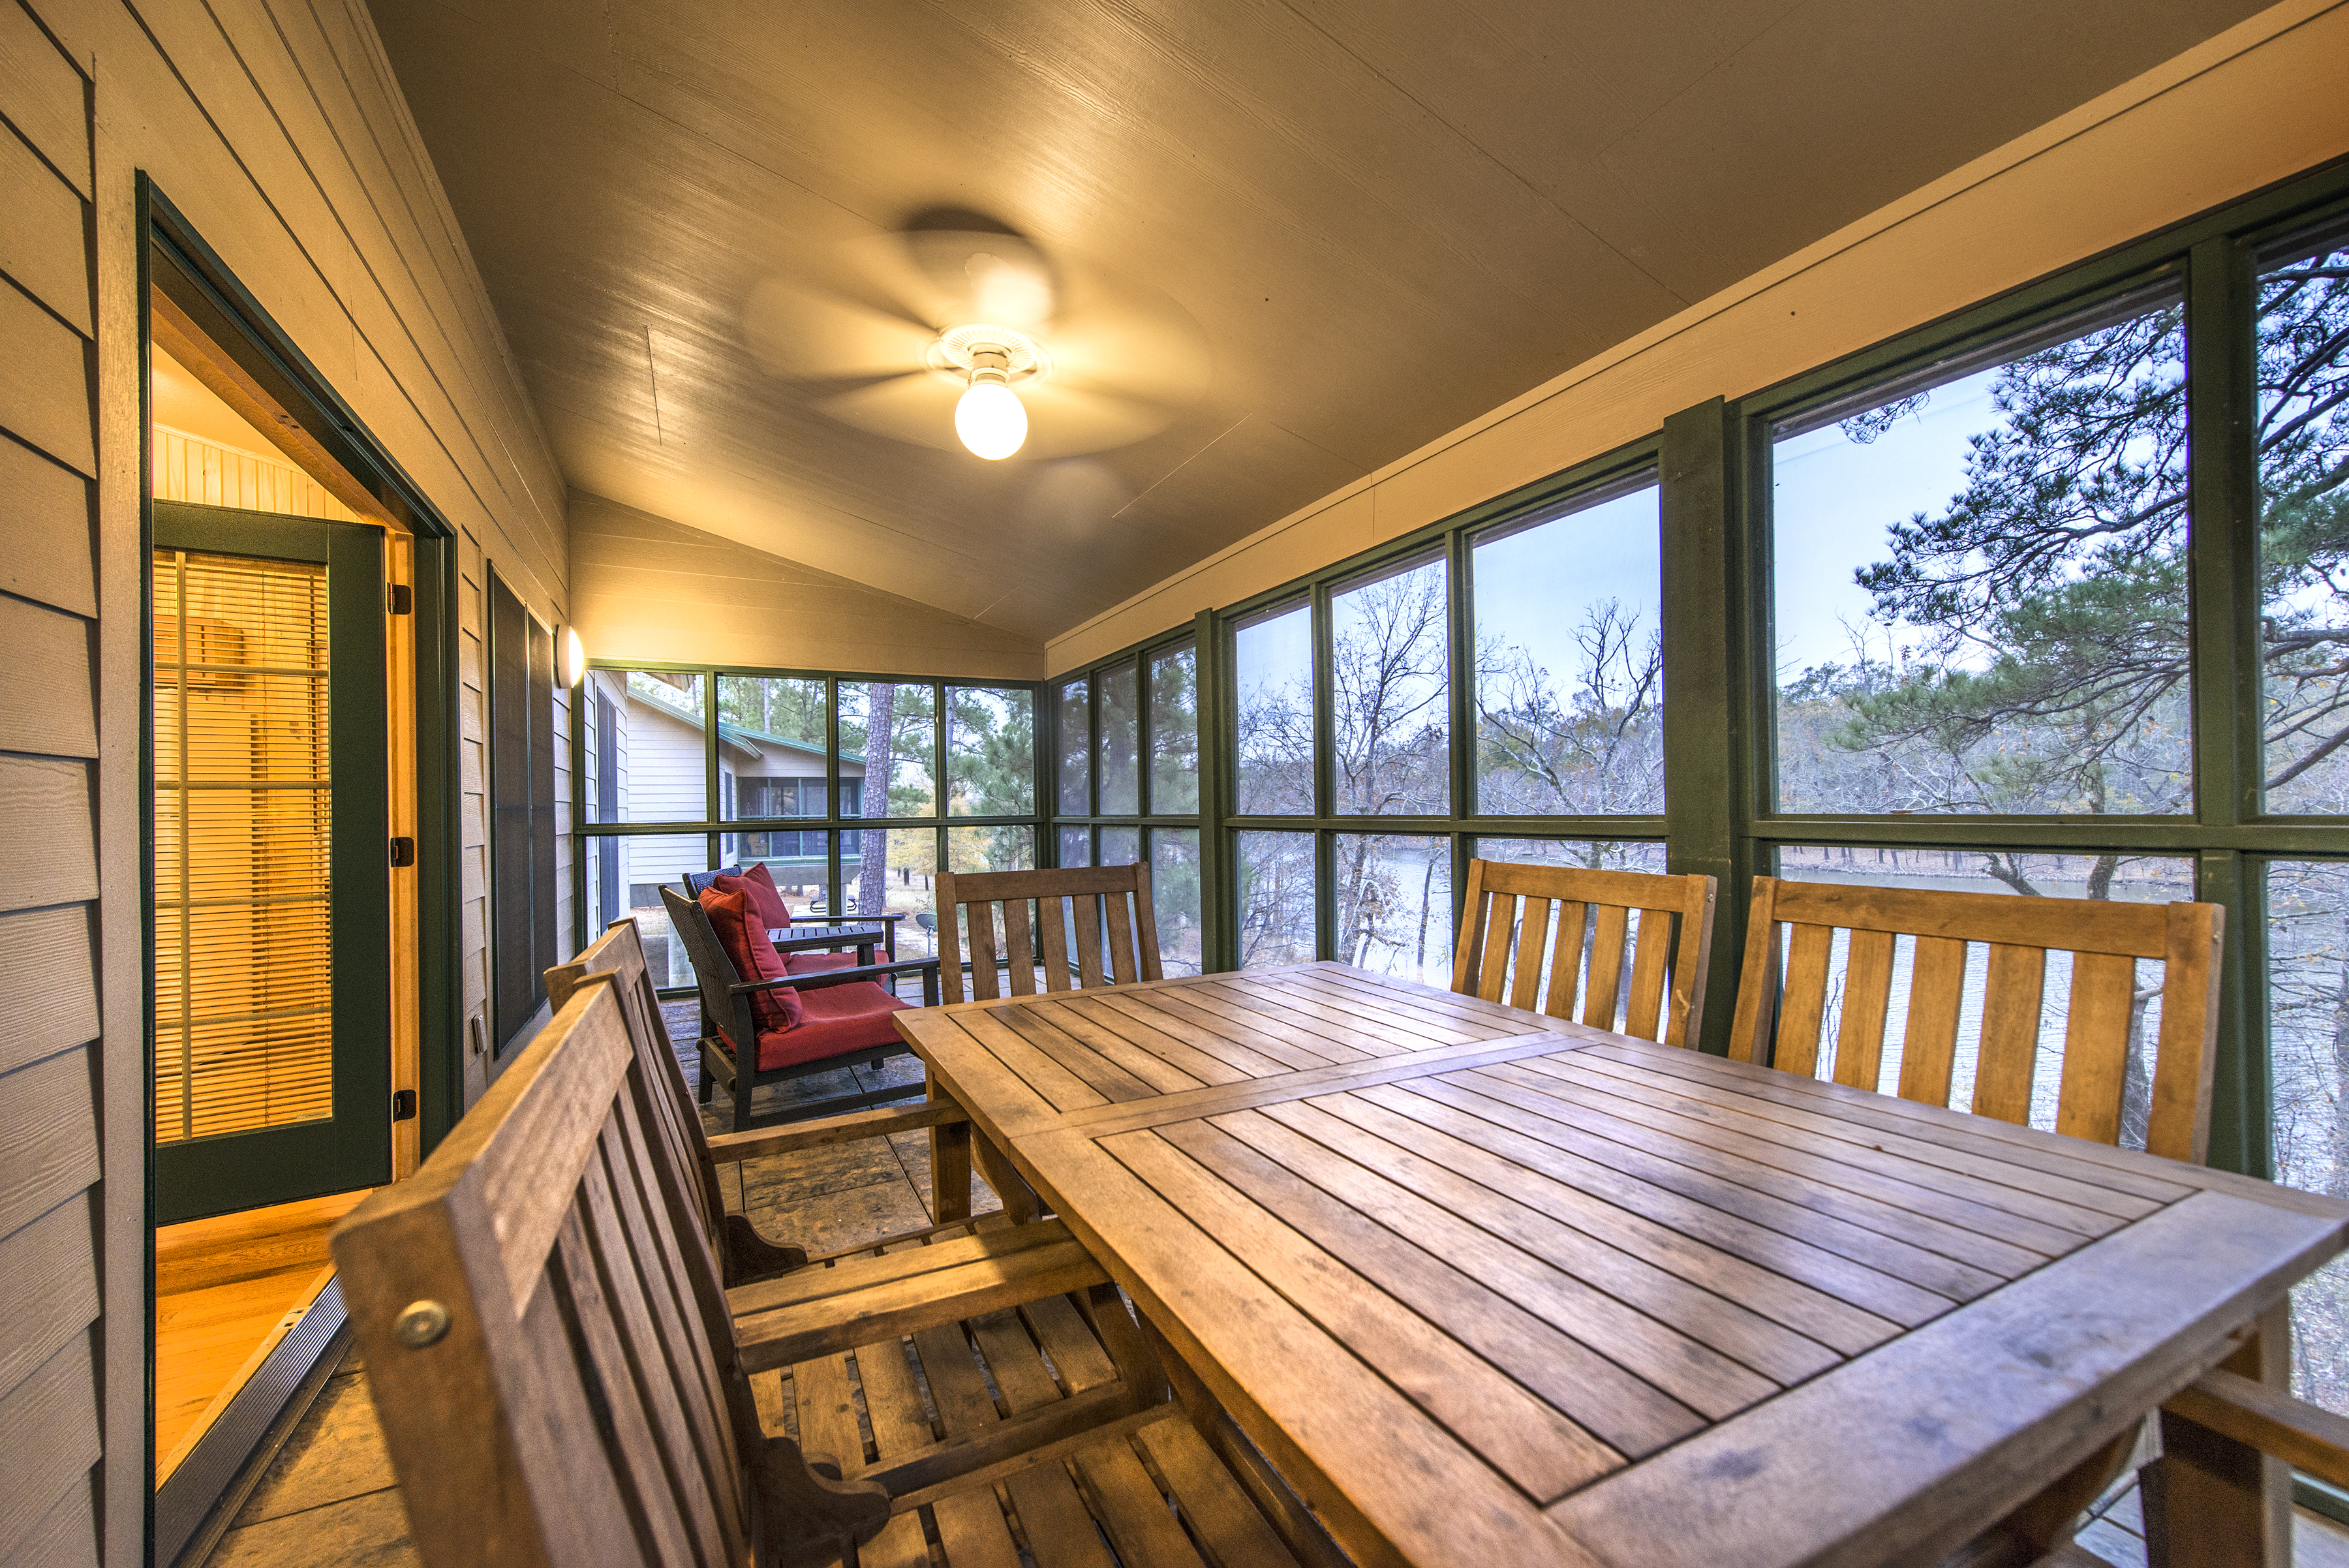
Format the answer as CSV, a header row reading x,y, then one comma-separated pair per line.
x,y
575,658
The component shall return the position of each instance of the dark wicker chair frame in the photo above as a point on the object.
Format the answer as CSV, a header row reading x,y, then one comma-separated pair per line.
x,y
725,994
695,881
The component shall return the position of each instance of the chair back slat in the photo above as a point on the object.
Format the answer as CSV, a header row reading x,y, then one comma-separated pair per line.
x,y
1052,916
1106,909
1937,996
1500,916
1867,1002
1533,939
1777,1024
573,1411
1020,948
1085,915
1604,989
1653,946
983,984
2096,1046
2013,1000
1148,964
1573,941
1753,1025
1566,957
1803,1009
1121,968
2180,1124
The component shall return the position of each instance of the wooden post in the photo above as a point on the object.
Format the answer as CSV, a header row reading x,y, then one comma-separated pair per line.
x,y
2211,1501
949,1166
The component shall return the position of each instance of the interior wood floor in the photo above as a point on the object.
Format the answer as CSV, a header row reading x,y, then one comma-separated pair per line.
x,y
224,1290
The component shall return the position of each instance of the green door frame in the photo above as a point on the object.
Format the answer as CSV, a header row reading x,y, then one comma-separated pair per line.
x,y
352,1147
175,260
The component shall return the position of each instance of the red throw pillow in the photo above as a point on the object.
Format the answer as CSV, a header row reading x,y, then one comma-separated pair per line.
x,y
766,904
755,957
771,909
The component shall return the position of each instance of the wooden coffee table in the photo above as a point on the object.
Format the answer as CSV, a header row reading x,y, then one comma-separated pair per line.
x,y
1494,1288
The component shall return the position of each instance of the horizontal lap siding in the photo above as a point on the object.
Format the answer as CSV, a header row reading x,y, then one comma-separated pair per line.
x,y
49,1423
281,134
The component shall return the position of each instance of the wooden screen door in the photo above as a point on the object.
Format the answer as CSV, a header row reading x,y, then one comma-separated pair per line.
x,y
271,861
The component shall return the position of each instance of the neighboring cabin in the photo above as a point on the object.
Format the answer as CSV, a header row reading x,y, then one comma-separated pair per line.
x,y
645,764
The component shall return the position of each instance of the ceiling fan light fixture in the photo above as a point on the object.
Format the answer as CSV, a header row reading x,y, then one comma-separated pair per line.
x,y
989,417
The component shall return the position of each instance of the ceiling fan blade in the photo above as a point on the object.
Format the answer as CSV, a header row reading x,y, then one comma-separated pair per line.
x,y
1126,339
795,330
1124,359
917,408
1064,420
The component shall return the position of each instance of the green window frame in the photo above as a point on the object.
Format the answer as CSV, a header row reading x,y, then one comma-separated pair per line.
x,y
713,827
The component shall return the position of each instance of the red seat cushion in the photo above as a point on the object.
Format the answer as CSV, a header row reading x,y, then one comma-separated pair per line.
x,y
818,963
837,1021
753,956
766,904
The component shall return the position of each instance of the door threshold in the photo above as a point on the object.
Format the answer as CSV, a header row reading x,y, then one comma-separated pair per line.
x,y
171,1462
216,1469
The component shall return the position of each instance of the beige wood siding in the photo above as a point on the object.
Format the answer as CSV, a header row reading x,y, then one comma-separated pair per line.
x,y
279,132
50,1423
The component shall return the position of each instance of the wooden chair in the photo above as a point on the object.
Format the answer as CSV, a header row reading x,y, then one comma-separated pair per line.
x,y
2195,1488
1079,901
725,1018
1780,1026
1674,944
558,1377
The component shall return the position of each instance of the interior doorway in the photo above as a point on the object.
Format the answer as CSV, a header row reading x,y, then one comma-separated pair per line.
x,y
284,1007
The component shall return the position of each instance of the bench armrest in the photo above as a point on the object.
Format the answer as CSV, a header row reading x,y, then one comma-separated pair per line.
x,y
821,1312
726,1149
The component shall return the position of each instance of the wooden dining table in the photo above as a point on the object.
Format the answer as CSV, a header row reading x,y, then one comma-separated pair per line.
x,y
1491,1289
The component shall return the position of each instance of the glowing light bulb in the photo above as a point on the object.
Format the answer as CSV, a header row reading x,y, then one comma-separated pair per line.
x,y
574,657
990,418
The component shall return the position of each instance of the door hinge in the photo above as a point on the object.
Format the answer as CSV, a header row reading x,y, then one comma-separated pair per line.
x,y
403,1104
399,598
403,852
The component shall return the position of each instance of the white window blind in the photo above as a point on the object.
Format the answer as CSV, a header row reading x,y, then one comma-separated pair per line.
x,y
243,1021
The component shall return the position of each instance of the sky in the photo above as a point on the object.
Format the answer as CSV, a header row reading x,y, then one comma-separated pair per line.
x,y
1836,499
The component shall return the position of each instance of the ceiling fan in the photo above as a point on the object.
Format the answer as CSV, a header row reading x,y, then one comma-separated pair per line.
x,y
975,338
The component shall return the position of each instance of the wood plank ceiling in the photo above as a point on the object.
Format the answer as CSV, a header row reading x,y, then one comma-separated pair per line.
x,y
1387,216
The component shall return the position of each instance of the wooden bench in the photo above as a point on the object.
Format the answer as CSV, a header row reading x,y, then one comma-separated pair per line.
x,y
823,1310
558,1379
